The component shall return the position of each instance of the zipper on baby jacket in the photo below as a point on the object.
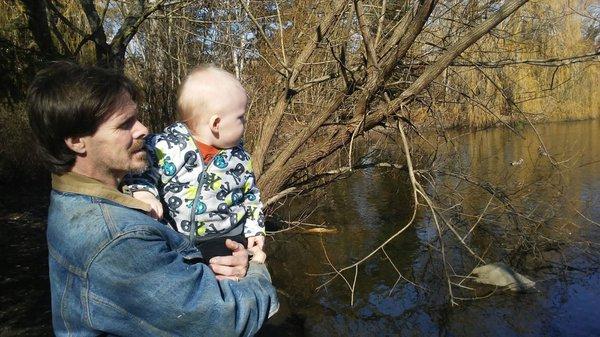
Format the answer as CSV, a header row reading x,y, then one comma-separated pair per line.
x,y
193,222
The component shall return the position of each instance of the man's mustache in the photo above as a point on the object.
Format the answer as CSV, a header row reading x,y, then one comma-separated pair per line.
x,y
138,145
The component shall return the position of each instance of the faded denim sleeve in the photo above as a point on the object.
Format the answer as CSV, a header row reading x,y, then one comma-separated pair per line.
x,y
148,180
139,286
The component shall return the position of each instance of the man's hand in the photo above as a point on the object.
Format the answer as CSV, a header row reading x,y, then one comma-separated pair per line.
x,y
156,209
258,241
231,267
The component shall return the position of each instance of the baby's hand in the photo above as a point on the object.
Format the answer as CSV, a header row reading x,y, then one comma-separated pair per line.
x,y
156,209
258,241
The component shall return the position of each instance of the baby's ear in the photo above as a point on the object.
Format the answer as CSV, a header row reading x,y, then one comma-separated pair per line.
x,y
214,123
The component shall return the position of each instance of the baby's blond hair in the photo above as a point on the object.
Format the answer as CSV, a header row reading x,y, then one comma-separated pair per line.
x,y
194,99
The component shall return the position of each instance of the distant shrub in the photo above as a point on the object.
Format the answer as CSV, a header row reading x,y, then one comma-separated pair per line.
x,y
18,163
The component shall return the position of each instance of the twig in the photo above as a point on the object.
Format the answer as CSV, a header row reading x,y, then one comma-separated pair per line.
x,y
392,237
400,276
380,23
338,273
364,31
479,218
281,37
551,62
354,286
586,218
264,36
280,195
354,133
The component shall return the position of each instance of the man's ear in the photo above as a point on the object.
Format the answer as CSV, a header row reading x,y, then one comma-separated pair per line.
x,y
214,123
76,144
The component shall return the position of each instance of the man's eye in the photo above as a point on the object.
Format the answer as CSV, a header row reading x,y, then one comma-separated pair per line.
x,y
128,124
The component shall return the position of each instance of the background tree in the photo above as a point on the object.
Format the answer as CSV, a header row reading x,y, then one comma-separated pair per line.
x,y
61,29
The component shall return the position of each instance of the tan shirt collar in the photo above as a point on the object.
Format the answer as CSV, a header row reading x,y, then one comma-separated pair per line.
x,y
71,182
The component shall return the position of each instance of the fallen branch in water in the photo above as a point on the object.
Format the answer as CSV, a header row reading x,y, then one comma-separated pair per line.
x,y
338,272
300,227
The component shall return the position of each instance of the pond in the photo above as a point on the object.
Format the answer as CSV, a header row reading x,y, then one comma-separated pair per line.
x,y
374,203
365,210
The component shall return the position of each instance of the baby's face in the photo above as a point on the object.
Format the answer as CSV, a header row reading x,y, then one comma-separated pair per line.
x,y
231,125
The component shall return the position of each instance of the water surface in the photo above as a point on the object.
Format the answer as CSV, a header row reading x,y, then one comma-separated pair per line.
x,y
374,203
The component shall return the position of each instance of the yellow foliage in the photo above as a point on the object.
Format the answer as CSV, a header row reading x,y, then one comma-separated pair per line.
x,y
520,91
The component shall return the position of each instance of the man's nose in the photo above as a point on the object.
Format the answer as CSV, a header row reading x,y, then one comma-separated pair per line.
x,y
139,130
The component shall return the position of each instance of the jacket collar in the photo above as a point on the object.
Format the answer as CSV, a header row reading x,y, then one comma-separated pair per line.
x,y
71,182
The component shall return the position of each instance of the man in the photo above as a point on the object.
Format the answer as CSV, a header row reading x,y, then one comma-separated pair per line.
x,y
113,269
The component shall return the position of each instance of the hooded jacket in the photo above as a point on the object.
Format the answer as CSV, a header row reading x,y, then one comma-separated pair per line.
x,y
203,200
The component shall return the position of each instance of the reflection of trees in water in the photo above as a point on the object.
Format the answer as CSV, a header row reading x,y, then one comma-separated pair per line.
x,y
519,214
523,213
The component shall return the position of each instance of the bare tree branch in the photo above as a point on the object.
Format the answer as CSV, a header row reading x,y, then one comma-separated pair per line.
x,y
273,119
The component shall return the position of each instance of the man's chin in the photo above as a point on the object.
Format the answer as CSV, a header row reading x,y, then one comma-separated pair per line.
x,y
139,163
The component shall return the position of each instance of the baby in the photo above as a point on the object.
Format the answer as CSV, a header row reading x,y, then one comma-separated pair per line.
x,y
199,169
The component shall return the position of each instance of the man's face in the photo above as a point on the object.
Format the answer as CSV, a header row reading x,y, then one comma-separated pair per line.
x,y
117,147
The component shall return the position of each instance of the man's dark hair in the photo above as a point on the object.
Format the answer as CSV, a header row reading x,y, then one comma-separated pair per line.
x,y
71,100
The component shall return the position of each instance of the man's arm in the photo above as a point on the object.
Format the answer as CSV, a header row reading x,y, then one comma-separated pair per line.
x,y
139,280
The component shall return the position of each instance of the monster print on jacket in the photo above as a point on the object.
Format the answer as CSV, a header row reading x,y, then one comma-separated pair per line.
x,y
214,198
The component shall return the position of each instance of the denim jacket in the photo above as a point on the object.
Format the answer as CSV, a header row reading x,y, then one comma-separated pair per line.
x,y
114,271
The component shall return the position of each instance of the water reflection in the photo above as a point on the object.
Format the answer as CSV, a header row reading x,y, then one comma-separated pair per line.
x,y
374,203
